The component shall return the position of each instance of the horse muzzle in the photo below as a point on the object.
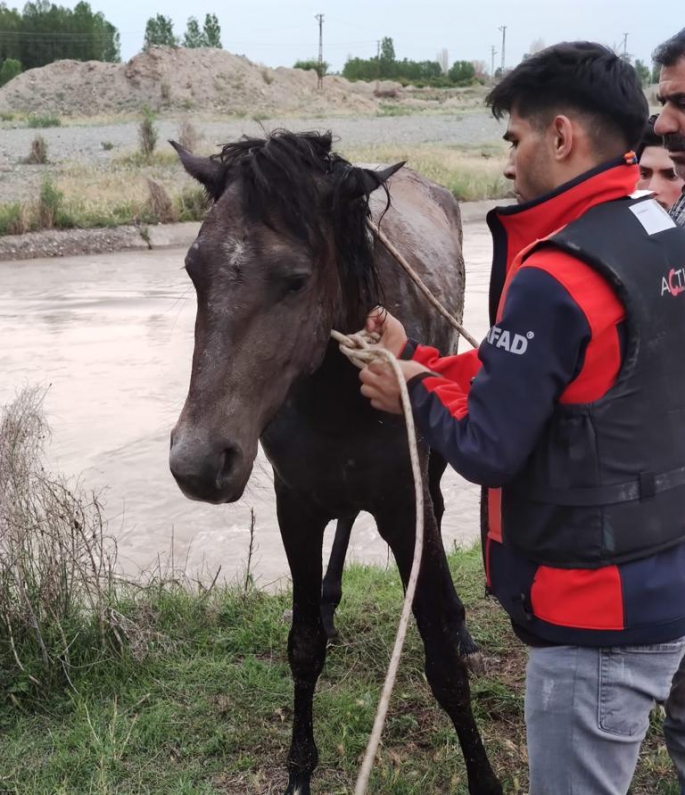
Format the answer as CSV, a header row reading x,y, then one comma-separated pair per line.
x,y
215,473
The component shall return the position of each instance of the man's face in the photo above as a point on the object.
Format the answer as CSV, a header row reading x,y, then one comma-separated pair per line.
x,y
658,175
530,159
671,121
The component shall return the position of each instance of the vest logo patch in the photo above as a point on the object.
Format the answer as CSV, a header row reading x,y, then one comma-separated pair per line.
x,y
674,283
513,343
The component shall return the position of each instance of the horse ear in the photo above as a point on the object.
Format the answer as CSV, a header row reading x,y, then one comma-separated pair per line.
x,y
367,180
205,170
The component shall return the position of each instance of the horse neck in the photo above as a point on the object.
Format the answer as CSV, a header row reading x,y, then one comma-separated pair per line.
x,y
330,396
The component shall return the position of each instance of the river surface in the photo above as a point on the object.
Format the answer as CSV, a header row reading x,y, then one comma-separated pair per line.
x,y
111,337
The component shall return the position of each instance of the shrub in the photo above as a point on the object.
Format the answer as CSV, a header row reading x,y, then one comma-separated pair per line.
x,y
38,156
193,204
147,133
13,219
9,70
107,146
188,136
40,121
160,205
50,206
56,564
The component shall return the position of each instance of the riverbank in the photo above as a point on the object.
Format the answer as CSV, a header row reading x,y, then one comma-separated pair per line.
x,y
207,708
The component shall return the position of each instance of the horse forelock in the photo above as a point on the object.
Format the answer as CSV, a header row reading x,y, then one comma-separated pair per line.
x,y
294,182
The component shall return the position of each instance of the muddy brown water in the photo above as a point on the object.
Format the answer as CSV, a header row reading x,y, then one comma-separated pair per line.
x,y
111,336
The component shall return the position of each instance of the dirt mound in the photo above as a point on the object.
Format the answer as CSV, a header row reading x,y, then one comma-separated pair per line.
x,y
169,78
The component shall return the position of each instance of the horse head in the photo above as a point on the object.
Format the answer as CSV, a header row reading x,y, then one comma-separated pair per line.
x,y
282,257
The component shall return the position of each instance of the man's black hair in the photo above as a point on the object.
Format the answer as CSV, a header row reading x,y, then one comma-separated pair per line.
x,y
671,51
581,77
650,138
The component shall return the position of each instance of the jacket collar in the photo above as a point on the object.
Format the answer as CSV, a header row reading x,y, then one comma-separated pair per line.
x,y
518,226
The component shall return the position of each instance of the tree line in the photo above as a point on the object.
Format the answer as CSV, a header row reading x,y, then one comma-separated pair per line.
x,y
45,32
386,66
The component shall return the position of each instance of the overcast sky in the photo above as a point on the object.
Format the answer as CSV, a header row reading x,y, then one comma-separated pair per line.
x,y
278,32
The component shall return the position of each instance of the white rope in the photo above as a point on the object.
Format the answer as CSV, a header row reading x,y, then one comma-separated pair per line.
x,y
414,276
362,349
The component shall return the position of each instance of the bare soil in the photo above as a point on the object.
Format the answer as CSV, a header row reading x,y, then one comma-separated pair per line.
x,y
208,80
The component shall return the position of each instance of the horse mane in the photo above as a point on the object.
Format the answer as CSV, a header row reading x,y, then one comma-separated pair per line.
x,y
295,183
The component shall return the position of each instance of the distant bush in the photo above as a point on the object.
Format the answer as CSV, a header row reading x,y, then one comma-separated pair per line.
x,y
312,65
147,133
10,68
38,156
188,136
43,120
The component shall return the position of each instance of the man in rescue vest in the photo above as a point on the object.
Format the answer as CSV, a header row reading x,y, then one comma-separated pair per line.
x,y
572,414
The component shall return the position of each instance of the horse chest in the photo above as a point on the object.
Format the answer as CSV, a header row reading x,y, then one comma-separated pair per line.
x,y
342,468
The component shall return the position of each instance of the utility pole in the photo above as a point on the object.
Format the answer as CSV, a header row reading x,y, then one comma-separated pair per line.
x,y
319,84
625,45
493,52
503,28
378,64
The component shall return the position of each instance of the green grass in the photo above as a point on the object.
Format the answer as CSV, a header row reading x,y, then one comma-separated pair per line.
x,y
209,709
42,120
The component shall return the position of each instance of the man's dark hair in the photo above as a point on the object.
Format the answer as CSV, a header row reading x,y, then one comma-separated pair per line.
x,y
650,138
578,77
671,51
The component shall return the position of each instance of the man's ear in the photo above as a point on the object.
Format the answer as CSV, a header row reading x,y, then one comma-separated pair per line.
x,y
565,134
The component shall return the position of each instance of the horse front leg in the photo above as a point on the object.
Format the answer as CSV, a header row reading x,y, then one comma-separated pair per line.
x,y
440,617
331,593
302,529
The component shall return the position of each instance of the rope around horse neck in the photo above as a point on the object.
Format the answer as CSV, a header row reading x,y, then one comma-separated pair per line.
x,y
414,276
361,350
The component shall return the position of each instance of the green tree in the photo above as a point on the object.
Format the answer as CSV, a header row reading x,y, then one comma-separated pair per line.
x,y
10,68
312,65
159,31
462,73
194,37
643,72
212,32
48,32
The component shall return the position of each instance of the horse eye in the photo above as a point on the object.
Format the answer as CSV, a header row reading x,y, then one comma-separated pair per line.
x,y
295,282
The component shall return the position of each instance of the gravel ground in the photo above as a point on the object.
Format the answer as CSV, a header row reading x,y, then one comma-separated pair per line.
x,y
84,144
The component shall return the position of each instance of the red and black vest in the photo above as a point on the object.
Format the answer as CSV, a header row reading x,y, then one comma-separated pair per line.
x,y
600,504
606,481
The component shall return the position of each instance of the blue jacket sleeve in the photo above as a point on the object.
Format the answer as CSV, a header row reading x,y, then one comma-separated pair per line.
x,y
528,359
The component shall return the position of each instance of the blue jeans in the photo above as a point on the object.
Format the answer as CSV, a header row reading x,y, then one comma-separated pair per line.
x,y
587,712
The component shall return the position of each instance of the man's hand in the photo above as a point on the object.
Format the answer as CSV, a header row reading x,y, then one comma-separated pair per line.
x,y
379,383
393,335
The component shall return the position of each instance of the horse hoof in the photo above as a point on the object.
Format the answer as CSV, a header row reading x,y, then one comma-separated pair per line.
x,y
298,785
475,662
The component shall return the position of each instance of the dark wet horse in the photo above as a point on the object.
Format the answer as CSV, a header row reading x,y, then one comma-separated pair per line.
x,y
283,257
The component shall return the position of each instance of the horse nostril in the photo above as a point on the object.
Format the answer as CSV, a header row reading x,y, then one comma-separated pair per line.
x,y
227,463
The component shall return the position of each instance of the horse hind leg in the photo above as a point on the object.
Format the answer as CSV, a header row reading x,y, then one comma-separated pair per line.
x,y
468,648
331,593
440,617
302,532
